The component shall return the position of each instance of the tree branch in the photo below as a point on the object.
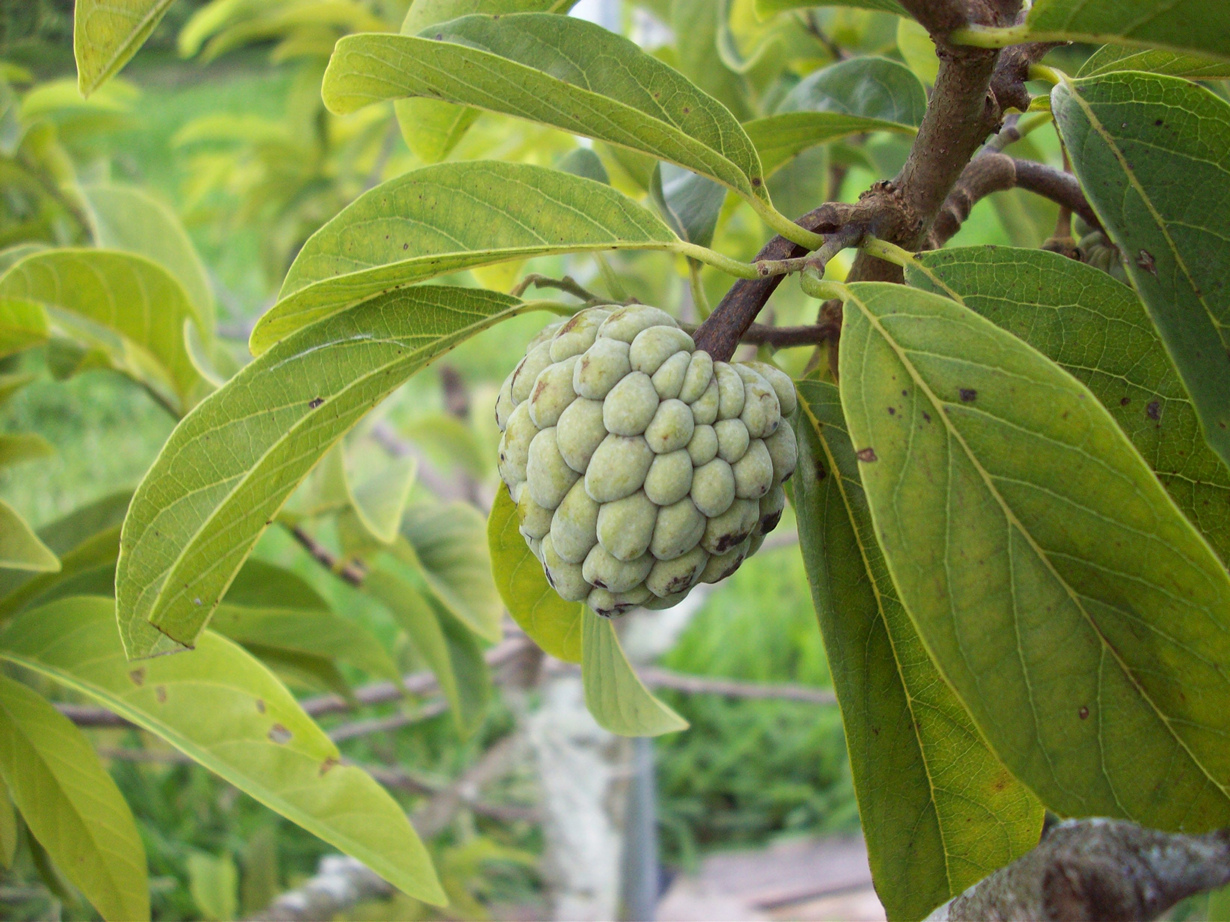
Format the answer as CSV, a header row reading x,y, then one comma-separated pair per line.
x,y
1097,869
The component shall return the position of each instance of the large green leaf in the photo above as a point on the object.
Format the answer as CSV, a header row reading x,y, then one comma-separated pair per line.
x,y
551,622
1202,26
231,463
557,70
23,323
614,694
1111,58
430,127
20,548
1081,619
1153,156
850,97
955,813
1096,329
70,803
87,541
447,646
446,543
221,707
126,218
106,33
446,218
124,304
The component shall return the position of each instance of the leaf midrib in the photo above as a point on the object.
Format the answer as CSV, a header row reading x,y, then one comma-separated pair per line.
x,y
1010,515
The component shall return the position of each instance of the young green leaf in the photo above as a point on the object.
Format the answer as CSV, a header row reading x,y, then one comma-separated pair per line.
x,y
446,218
70,803
445,543
448,646
213,881
614,694
21,447
222,708
1202,26
87,541
124,304
380,501
20,548
955,813
850,97
1096,329
106,33
231,463
23,323
551,622
1129,136
1079,617
126,218
1111,58
557,70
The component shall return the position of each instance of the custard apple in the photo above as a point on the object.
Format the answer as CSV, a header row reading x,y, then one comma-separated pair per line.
x,y
641,467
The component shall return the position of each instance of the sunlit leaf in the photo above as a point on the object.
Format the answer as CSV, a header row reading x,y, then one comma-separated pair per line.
x,y
557,70
70,803
614,694
20,548
551,622
23,323
106,33
1153,156
1079,617
1202,26
446,218
1096,329
222,708
233,461
955,812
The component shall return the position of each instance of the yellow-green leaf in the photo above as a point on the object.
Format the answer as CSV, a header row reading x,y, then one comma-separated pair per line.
x,y
222,708
551,622
20,548
954,813
23,323
231,463
614,694
23,446
106,33
70,803
1077,614
446,218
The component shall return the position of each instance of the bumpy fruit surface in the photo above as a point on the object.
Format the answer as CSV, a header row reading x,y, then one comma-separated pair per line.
x,y
641,467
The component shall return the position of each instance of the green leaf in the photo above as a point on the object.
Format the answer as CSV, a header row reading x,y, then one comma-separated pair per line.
x,y
548,620
850,97
446,218
9,830
1130,136
447,646
23,323
23,446
914,43
380,501
20,548
213,882
222,708
557,70
1201,26
614,694
1096,329
106,33
698,27
10,384
1080,618
689,203
87,541
126,218
955,813
282,624
430,127
70,803
1111,58
446,543
233,461
125,304
766,8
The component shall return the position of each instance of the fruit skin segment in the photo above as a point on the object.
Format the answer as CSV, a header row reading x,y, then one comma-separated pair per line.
x,y
640,466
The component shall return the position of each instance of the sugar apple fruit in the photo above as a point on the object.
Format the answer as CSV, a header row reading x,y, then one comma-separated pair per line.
x,y
641,467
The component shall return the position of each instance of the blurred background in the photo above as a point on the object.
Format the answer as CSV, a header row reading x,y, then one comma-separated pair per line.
x,y
529,809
